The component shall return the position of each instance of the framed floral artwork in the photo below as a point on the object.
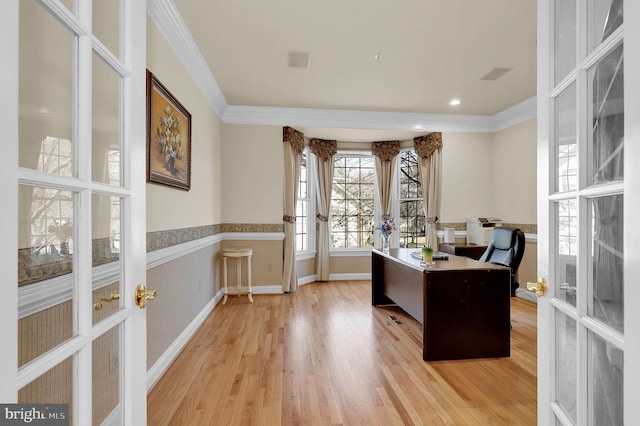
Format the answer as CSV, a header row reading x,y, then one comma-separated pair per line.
x,y
168,137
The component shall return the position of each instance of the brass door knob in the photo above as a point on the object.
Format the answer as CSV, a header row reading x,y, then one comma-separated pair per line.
x,y
539,287
142,295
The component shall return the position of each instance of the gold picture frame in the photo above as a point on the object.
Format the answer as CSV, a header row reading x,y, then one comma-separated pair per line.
x,y
168,137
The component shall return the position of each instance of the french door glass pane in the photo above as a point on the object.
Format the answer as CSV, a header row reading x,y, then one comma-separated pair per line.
x,y
607,260
566,370
45,233
45,251
567,250
564,38
53,387
606,162
46,92
605,370
604,17
566,140
107,124
106,374
106,24
105,242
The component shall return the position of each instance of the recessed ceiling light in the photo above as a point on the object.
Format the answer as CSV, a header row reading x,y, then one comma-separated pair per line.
x,y
378,56
455,102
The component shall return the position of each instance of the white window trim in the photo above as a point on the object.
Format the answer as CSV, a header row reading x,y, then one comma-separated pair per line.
x,y
311,251
360,251
396,190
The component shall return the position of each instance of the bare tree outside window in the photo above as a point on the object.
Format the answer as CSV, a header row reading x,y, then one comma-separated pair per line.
x,y
352,202
412,223
302,207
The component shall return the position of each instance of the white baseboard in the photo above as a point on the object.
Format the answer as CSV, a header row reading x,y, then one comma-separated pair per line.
x,y
164,362
336,277
526,295
350,277
266,289
307,280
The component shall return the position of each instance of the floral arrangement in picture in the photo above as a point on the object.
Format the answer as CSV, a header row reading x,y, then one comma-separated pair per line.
x,y
169,138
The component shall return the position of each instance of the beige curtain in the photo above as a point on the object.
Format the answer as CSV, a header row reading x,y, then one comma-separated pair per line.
x,y
293,147
429,149
386,161
324,151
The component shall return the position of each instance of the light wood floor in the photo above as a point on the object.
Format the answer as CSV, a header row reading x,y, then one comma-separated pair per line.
x,y
324,355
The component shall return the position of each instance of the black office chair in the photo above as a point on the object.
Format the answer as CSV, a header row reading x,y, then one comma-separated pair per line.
x,y
506,248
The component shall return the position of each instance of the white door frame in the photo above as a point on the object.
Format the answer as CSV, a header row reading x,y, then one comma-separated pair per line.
x,y
631,343
133,337
631,209
9,190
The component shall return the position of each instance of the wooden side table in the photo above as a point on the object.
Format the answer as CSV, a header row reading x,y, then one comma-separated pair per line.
x,y
238,254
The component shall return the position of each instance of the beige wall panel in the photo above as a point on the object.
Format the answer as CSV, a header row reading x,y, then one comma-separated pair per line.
x,y
44,330
169,208
266,262
466,177
514,173
184,287
528,270
350,265
306,268
252,173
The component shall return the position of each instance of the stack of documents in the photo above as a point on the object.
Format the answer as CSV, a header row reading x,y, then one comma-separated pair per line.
x,y
437,255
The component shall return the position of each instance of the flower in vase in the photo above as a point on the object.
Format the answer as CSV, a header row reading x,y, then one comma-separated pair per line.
x,y
386,227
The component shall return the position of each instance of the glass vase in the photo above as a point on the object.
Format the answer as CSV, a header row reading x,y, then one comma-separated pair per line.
x,y
385,243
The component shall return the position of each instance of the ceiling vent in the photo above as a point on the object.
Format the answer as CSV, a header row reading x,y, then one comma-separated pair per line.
x,y
496,73
299,59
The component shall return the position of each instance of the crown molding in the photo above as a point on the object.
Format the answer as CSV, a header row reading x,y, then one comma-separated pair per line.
x,y
355,119
519,113
351,119
170,23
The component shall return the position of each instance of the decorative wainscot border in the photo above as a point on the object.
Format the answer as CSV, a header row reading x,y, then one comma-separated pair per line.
x,y
168,137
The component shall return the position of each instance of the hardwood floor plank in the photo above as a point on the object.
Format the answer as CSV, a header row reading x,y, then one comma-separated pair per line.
x,y
323,355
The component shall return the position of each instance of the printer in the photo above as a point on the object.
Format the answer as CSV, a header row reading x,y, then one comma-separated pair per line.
x,y
479,230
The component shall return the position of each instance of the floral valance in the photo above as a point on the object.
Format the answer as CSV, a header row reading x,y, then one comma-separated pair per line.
x,y
427,145
386,150
324,149
294,137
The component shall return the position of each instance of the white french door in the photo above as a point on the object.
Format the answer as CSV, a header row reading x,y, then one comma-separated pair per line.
x,y
73,115
588,199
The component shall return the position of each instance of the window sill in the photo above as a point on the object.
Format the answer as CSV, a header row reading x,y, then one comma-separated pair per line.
x,y
304,255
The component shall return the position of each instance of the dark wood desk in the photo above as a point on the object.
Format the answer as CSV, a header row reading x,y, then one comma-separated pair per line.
x,y
464,305
460,249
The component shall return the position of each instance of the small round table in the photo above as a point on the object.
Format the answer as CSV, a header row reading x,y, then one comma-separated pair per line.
x,y
238,253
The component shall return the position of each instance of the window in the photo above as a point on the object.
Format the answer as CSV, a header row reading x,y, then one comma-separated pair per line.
x,y
55,156
302,206
52,209
352,201
411,226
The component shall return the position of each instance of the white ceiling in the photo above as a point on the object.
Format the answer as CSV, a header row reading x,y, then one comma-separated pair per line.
x,y
431,52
